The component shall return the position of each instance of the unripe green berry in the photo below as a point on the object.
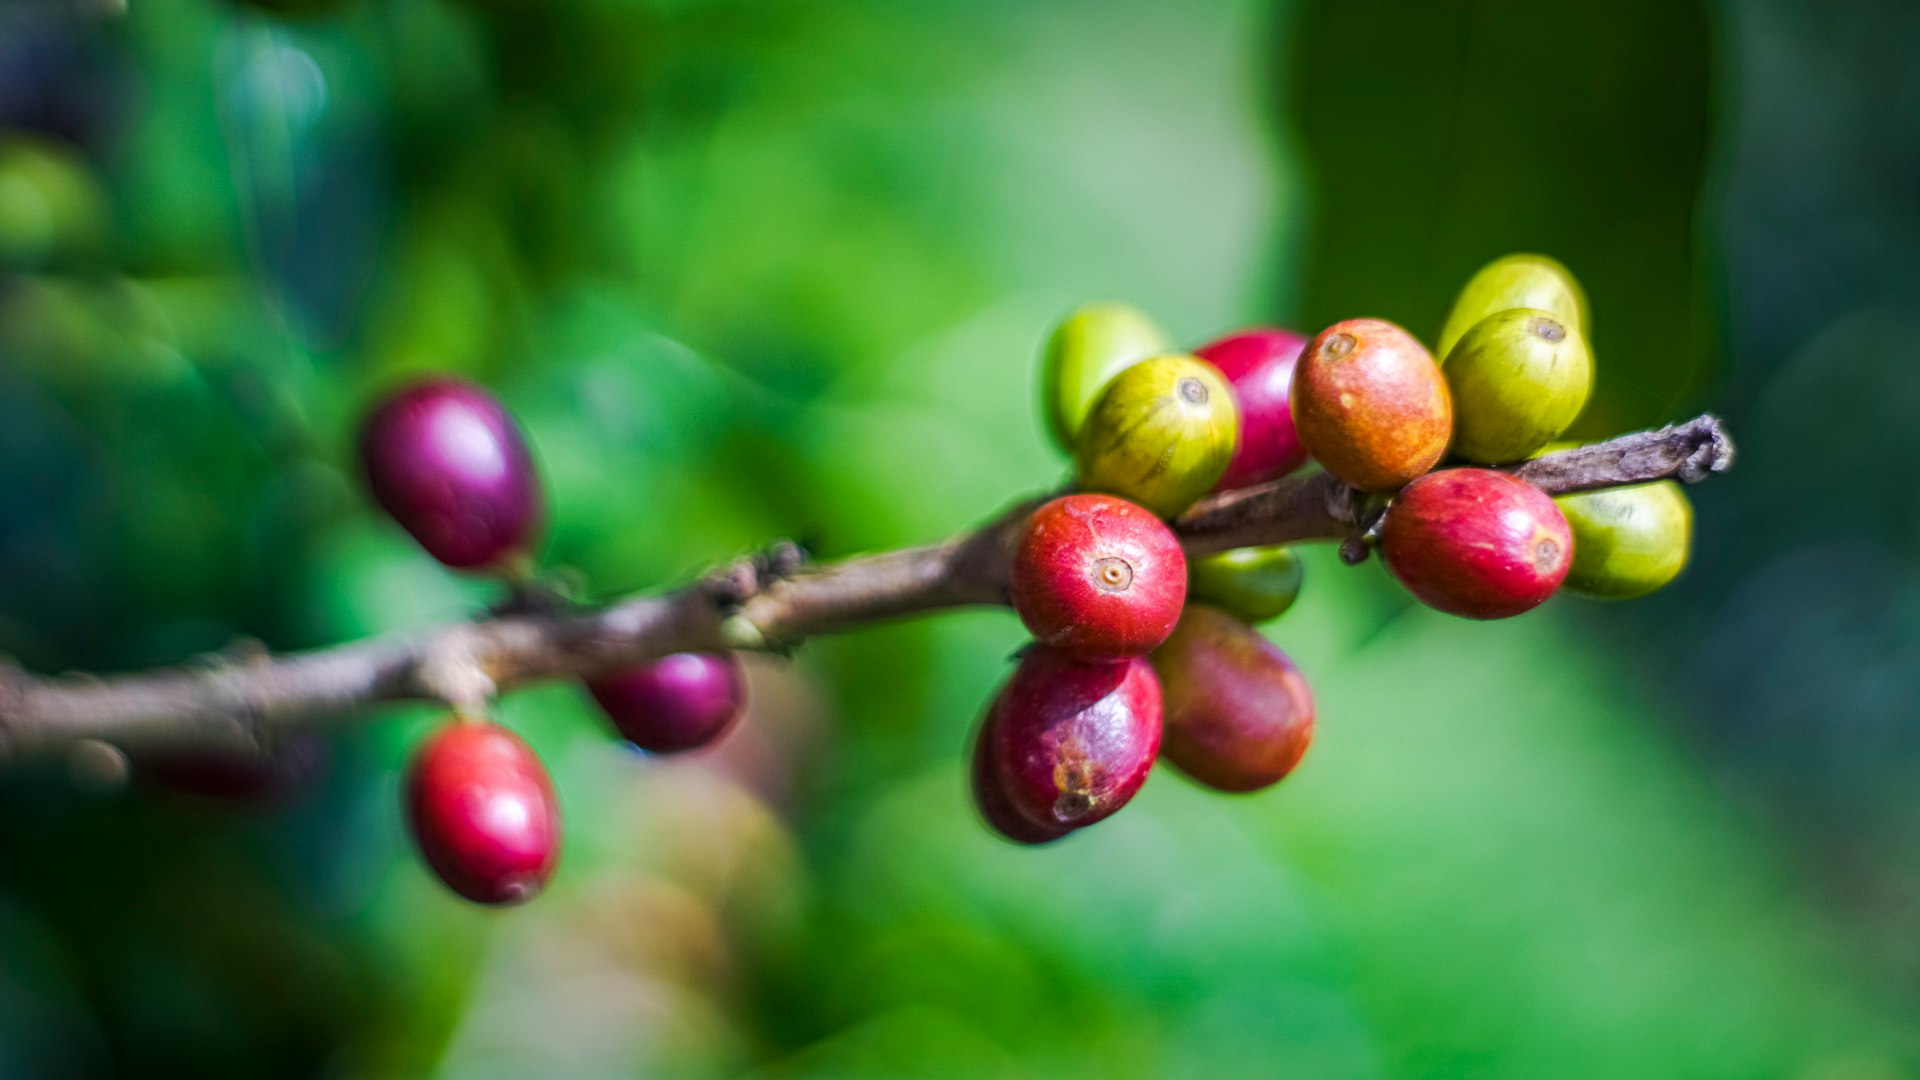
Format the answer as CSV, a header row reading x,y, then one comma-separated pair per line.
x,y
1519,378
1256,584
1161,434
1628,541
1086,350
1515,281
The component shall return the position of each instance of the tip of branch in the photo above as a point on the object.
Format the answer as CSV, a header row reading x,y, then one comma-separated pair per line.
x,y
1713,449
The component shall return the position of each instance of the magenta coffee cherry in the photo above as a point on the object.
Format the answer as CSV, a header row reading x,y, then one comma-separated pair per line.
x,y
1258,364
995,805
1476,543
1238,712
283,771
446,461
675,703
1098,578
1074,741
483,812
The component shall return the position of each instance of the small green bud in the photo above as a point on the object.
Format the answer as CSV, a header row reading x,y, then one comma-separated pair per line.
x,y
1255,584
1515,281
1086,350
1519,378
1160,434
1628,541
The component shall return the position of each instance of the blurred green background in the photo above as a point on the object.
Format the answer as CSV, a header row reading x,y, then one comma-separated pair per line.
x,y
752,269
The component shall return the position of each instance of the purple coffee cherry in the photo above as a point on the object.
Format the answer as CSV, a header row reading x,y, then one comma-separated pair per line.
x,y
448,463
678,702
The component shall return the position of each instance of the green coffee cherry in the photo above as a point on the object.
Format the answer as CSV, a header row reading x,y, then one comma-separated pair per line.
x,y
52,212
1515,281
1628,541
1088,348
1160,434
1255,584
1519,378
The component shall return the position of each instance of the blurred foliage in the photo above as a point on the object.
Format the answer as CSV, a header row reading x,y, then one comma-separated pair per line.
x,y
759,269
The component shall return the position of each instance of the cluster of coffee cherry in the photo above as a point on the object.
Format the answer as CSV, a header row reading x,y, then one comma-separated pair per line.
x,y
1139,654
1138,651
447,462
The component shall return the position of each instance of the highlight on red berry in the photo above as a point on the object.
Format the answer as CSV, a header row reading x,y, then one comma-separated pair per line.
x,y
1477,543
447,462
483,812
676,703
1098,578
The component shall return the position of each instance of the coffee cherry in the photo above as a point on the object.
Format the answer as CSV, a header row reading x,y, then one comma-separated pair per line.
x,y
1086,350
446,461
1160,434
1072,741
1476,543
675,703
1256,584
1259,366
1370,404
990,796
1098,578
277,774
1627,541
1238,713
1518,378
483,812
1515,281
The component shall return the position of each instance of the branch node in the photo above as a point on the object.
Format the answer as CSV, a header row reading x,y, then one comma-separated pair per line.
x,y
451,673
733,585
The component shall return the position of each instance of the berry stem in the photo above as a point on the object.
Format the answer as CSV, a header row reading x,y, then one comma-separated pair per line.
x,y
770,600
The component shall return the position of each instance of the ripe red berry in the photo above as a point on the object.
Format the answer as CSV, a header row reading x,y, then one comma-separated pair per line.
x,y
1238,712
990,796
1476,543
1259,366
1098,578
675,703
1371,405
446,461
1073,741
483,812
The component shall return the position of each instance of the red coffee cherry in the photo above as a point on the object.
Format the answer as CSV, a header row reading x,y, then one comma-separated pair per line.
x,y
1238,712
1476,543
1371,405
483,812
446,461
990,796
1098,578
678,702
1073,741
1259,365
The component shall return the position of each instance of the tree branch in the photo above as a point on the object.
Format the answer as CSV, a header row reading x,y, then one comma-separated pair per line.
x,y
769,601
